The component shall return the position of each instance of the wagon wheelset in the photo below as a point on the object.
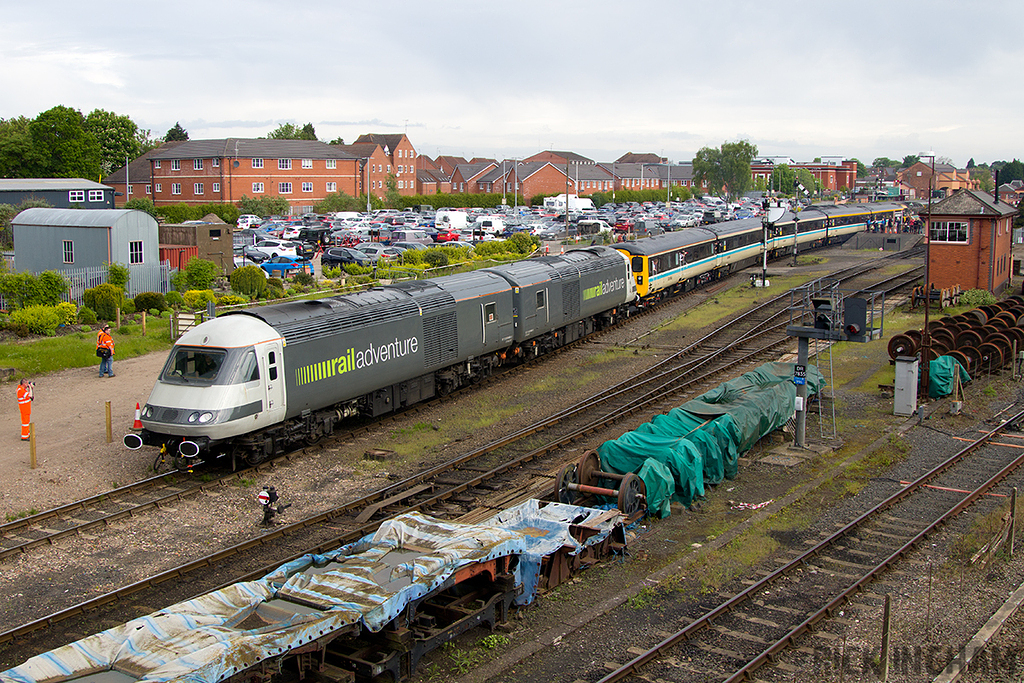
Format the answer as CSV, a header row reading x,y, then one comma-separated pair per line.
x,y
582,478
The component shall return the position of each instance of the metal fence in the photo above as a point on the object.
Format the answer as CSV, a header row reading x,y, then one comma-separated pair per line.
x,y
141,278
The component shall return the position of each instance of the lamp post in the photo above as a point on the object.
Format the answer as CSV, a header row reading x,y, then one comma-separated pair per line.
x,y
504,183
926,339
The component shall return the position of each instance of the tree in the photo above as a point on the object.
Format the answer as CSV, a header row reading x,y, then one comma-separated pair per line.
x,y
264,206
289,131
782,179
337,141
1013,170
984,178
339,202
142,204
970,163
120,139
64,144
392,198
725,168
176,134
884,162
910,160
17,154
862,170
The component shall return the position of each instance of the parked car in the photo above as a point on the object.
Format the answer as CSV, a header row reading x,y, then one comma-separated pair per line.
x,y
446,236
336,257
409,245
377,251
275,247
247,256
286,265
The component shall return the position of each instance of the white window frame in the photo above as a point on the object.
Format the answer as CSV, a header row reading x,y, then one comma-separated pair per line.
x,y
95,195
284,188
307,187
940,232
175,164
175,188
76,196
135,251
284,164
131,189
216,188
257,163
215,162
68,248
156,163
257,188
307,163
159,187
332,187
197,188
332,163
197,164
149,189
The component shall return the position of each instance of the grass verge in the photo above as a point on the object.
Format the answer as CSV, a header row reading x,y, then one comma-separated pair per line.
x,y
78,350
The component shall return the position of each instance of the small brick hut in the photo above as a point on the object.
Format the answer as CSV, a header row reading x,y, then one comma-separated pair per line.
x,y
970,236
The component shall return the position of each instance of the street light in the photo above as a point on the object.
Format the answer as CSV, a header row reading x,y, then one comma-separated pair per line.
x,y
926,339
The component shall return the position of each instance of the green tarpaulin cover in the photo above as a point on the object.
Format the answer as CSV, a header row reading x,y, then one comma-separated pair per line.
x,y
701,441
941,372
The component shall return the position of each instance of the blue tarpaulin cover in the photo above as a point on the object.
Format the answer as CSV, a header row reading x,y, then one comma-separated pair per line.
x,y
701,440
364,584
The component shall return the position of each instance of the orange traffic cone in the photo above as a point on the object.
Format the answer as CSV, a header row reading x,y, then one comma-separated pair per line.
x,y
562,253
138,417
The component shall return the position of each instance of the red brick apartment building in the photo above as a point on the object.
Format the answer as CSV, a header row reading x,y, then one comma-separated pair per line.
x,y
948,179
971,236
223,171
832,176
397,156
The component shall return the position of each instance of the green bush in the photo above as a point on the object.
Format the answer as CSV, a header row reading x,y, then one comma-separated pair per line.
x,y
142,204
128,307
87,316
275,282
332,273
413,257
231,300
25,289
436,258
67,311
174,299
977,297
42,320
197,274
304,279
273,293
118,275
155,312
149,300
105,299
248,280
196,299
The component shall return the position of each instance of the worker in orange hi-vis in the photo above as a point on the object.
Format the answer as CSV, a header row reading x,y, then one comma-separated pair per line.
x,y
25,396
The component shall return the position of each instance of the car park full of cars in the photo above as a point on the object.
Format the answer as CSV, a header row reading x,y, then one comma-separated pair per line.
x,y
284,266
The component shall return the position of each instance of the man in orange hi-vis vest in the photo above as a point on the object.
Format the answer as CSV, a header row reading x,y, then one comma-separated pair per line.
x,y
25,396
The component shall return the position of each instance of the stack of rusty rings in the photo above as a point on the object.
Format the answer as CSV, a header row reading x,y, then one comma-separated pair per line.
x,y
982,339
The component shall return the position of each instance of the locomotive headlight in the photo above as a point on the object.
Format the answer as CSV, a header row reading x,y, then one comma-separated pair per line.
x,y
205,417
193,417
147,411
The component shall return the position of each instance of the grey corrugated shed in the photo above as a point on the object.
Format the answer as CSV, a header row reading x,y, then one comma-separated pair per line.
x,y
43,184
70,218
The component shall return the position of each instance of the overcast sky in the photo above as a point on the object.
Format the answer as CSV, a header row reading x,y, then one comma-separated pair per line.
x,y
799,78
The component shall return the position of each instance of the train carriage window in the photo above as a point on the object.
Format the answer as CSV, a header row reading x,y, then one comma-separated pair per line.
x,y
491,312
540,300
272,365
638,264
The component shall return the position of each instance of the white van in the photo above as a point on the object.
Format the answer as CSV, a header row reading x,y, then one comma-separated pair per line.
x,y
492,225
447,219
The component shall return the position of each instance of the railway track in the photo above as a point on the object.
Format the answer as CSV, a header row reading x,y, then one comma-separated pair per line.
x,y
451,489
770,616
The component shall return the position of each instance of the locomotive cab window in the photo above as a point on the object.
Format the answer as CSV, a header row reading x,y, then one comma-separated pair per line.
x,y
194,366
540,300
272,363
638,264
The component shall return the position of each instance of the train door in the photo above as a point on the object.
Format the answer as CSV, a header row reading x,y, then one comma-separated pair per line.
x,y
272,365
494,328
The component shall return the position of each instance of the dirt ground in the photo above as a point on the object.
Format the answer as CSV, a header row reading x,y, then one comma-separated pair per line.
x,y
73,457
